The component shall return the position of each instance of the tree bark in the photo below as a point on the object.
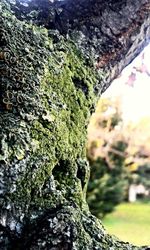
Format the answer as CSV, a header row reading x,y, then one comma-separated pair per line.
x,y
55,60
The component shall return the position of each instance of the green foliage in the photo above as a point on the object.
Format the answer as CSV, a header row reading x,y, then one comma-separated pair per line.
x,y
107,152
142,175
107,186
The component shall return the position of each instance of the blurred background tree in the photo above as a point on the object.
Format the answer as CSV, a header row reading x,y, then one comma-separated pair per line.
x,y
106,152
119,156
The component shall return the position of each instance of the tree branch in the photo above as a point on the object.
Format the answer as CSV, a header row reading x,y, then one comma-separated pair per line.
x,y
112,33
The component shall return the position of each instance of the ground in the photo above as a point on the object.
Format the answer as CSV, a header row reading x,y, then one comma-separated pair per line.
x,y
130,222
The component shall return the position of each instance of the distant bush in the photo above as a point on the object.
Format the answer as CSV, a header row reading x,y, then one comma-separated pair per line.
x,y
107,153
108,185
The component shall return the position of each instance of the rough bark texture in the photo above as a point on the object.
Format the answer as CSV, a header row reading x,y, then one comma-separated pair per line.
x,y
51,77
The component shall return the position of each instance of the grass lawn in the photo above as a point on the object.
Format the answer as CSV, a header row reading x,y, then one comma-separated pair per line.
x,y
130,222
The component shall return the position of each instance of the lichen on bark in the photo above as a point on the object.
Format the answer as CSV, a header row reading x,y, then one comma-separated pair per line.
x,y
48,91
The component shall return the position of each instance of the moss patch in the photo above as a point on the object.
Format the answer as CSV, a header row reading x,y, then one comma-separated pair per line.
x,y
47,97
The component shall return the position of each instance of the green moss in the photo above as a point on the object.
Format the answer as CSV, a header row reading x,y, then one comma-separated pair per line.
x,y
57,96
60,130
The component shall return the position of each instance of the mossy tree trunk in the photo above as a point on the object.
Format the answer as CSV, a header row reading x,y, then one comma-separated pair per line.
x,y
55,60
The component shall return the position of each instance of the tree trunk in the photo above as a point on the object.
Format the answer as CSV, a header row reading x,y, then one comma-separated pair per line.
x,y
55,59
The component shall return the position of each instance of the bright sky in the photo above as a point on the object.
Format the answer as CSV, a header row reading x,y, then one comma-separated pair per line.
x,y
135,100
